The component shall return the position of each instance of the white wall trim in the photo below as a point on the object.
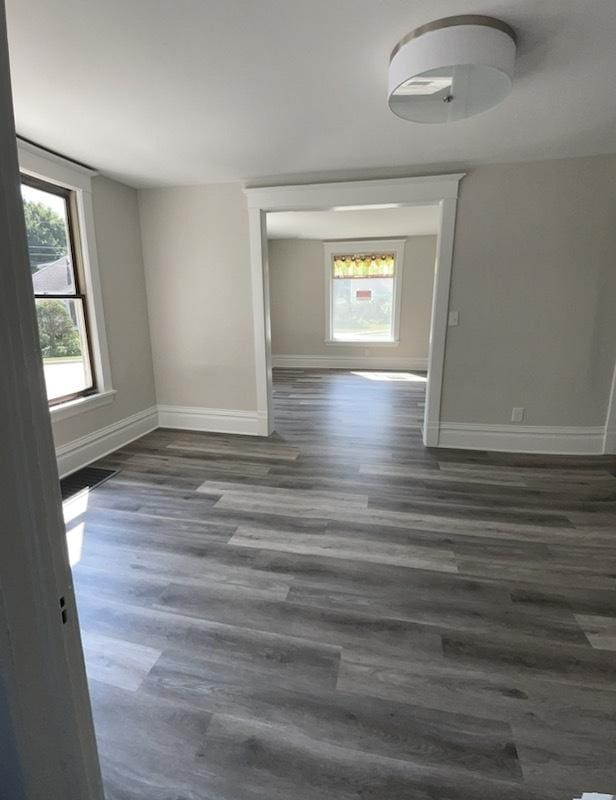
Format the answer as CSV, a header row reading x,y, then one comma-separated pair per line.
x,y
357,246
609,436
438,321
73,408
52,168
259,279
94,292
213,420
522,438
350,362
422,190
38,162
425,190
80,452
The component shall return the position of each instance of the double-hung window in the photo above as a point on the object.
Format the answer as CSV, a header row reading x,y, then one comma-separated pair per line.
x,y
59,217
363,291
54,251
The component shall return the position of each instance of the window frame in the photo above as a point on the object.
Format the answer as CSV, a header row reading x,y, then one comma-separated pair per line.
x,y
363,247
80,293
62,175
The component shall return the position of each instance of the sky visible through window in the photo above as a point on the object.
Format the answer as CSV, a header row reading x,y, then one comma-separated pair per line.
x,y
53,201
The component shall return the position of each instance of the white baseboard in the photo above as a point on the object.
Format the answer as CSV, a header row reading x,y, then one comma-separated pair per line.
x,y
522,438
83,451
469,436
609,443
350,362
214,420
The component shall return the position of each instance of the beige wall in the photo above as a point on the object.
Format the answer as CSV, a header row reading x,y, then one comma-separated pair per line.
x,y
534,280
196,254
297,292
120,262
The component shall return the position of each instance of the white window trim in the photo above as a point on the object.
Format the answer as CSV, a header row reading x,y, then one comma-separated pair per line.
x,y
331,249
54,169
72,408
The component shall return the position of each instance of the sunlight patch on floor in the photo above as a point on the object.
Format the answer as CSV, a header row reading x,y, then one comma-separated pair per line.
x,y
74,543
392,376
74,508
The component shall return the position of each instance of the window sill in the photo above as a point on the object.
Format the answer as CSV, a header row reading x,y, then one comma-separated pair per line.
x,y
363,342
74,407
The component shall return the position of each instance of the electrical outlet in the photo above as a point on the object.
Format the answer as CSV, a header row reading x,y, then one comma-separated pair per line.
x,y
517,414
453,319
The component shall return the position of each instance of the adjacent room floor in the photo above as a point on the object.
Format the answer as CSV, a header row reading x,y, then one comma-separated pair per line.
x,y
337,612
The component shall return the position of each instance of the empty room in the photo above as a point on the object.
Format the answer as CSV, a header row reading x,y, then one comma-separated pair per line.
x,y
308,454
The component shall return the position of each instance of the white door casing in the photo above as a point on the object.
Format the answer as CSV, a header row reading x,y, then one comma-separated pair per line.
x,y
441,190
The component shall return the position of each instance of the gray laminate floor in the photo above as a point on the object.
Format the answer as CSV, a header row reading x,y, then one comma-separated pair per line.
x,y
336,612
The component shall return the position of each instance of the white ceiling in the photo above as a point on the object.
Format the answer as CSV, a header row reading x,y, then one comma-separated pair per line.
x,y
157,92
381,223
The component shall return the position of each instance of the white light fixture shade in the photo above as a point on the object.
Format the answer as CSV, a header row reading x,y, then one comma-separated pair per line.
x,y
451,69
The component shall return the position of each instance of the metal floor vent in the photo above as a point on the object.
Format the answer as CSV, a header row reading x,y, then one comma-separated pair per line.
x,y
86,478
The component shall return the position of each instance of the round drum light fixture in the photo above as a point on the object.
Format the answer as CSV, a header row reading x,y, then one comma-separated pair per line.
x,y
451,69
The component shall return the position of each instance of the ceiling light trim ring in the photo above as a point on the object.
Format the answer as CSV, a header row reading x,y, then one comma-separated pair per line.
x,y
455,21
462,67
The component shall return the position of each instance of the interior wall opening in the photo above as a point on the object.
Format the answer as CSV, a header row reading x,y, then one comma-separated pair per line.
x,y
350,297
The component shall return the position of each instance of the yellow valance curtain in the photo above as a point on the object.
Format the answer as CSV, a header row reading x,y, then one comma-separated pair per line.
x,y
364,266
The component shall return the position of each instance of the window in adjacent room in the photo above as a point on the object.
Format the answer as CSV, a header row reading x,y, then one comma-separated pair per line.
x,y
363,291
57,277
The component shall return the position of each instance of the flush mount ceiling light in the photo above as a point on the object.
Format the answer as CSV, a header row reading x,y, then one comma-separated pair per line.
x,y
451,69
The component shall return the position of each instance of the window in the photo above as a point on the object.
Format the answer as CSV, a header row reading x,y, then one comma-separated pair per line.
x,y
363,291
57,279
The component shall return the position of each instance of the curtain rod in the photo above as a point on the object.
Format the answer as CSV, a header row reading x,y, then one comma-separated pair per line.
x,y
361,256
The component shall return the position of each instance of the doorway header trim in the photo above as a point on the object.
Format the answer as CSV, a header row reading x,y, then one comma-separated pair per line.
x,y
421,190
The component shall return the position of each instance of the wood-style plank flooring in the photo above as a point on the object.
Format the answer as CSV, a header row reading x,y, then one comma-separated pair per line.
x,y
338,613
